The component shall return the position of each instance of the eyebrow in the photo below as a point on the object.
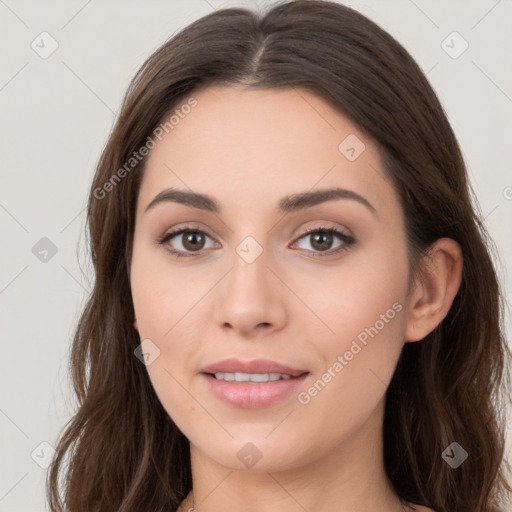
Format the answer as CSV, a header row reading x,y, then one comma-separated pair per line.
x,y
287,204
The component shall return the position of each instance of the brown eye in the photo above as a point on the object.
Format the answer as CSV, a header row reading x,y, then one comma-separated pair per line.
x,y
185,241
193,240
321,241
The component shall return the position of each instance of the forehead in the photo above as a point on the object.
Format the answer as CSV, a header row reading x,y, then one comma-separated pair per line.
x,y
250,144
246,121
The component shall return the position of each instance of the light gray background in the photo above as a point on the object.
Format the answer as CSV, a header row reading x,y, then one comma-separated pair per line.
x,y
56,114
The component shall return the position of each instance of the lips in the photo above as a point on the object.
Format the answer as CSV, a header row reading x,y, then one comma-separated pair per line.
x,y
240,389
255,366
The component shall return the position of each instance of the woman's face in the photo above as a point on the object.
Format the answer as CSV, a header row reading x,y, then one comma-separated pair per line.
x,y
254,284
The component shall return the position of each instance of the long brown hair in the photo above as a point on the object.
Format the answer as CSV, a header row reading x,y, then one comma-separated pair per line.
x,y
121,451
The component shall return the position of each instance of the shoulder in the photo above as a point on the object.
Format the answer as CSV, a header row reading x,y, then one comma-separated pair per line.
x,y
420,508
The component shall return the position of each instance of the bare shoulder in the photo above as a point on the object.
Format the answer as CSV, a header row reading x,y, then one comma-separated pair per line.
x,y
420,508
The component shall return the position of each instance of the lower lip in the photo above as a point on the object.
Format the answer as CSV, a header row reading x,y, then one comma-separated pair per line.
x,y
252,396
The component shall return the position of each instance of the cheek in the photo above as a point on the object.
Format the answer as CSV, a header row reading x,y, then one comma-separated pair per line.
x,y
165,302
353,297
162,294
363,306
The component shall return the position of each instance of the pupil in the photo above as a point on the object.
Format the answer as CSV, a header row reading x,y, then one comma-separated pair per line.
x,y
322,244
192,239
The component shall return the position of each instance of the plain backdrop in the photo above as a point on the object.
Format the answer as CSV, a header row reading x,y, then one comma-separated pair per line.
x,y
56,112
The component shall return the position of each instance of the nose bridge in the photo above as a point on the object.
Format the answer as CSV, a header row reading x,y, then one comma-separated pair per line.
x,y
251,255
251,295
249,277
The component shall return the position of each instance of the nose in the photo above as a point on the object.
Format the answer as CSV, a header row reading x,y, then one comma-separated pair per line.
x,y
251,299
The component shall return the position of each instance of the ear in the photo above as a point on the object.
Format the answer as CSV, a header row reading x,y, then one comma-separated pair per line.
x,y
135,324
438,285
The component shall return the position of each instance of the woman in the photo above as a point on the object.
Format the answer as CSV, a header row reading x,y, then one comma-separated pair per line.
x,y
295,306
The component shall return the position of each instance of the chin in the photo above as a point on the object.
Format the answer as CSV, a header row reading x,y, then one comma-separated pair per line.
x,y
255,454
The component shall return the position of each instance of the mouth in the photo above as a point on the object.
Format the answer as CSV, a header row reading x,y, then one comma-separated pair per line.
x,y
253,390
257,370
253,378
252,384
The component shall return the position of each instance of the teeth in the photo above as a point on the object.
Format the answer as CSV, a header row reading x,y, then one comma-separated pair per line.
x,y
251,377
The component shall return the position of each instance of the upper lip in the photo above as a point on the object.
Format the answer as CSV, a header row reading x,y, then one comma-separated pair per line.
x,y
255,366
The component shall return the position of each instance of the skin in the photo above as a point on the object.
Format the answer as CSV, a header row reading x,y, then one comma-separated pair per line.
x,y
248,149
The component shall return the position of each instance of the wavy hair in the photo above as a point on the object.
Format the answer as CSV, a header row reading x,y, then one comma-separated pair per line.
x,y
120,451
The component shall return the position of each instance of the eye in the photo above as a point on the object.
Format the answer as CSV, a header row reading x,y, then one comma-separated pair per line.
x,y
191,239
321,240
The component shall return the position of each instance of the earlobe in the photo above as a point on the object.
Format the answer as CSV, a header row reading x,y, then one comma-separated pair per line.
x,y
434,294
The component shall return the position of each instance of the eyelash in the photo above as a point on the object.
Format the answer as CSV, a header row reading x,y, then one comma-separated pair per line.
x,y
347,240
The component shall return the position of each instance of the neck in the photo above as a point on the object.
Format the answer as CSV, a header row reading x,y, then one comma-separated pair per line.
x,y
349,478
